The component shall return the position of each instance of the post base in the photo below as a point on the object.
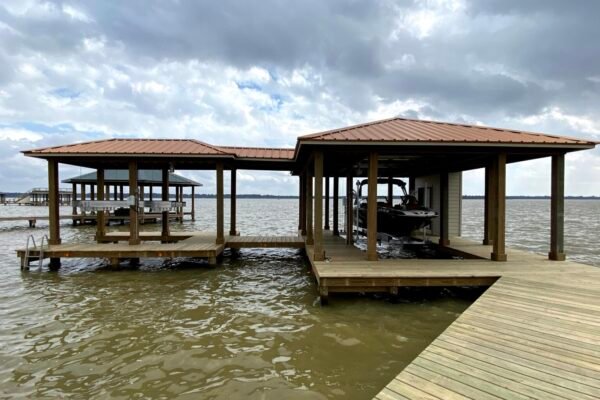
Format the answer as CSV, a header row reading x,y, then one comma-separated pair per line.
x,y
498,257
324,295
444,242
54,264
557,256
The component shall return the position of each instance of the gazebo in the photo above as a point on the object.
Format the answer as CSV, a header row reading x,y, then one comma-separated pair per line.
x,y
115,179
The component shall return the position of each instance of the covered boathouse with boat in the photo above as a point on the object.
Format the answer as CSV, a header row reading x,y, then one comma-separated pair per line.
x,y
433,156
534,333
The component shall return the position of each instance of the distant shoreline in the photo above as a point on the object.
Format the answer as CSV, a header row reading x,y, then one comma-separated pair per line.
x,y
283,197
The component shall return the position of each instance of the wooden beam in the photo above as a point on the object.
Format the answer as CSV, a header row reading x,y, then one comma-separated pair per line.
x,y
326,227
336,206
233,200
319,254
444,210
309,210
372,208
349,211
220,204
499,250
557,209
134,229
100,221
164,220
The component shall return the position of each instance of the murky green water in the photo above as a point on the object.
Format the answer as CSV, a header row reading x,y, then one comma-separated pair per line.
x,y
249,328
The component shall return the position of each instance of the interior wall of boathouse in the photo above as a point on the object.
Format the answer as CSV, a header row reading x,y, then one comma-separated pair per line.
x,y
427,191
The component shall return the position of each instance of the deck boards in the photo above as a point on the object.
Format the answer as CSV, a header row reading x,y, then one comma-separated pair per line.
x,y
181,244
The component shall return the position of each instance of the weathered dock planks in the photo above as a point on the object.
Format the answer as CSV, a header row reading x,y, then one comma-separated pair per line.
x,y
528,336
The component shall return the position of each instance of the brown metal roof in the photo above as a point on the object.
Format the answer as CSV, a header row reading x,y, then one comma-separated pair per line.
x,y
417,131
134,146
260,152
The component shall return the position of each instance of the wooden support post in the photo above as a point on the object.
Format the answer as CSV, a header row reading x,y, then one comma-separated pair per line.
x,y
74,197
233,203
165,197
499,250
444,210
134,229
121,193
181,201
220,213
92,192
309,210
372,208
142,209
412,185
150,193
54,217
319,254
324,295
326,204
100,221
390,191
115,193
349,210
557,209
336,205
489,206
302,204
193,203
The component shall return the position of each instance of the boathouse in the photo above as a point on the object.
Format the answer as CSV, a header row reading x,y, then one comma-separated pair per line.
x,y
532,334
432,155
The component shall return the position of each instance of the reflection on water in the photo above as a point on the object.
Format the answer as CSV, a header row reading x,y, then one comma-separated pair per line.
x,y
249,328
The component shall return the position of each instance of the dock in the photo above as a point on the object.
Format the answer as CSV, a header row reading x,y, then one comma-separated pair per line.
x,y
530,335
177,244
534,333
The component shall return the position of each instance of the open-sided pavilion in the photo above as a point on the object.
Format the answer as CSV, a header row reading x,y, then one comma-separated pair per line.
x,y
431,154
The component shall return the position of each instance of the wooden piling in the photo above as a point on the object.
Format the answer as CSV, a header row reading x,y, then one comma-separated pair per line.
x,y
372,208
557,209
318,207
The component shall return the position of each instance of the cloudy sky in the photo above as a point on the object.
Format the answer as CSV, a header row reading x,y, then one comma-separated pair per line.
x,y
260,73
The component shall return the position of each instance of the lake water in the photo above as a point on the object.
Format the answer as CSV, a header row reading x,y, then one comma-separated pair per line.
x,y
251,327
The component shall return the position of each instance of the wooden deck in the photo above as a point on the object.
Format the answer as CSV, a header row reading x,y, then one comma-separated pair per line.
x,y
528,336
181,244
534,333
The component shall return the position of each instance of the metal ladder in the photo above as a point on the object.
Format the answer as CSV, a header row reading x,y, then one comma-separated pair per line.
x,y
28,257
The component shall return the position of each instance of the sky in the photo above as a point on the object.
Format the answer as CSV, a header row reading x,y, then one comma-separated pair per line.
x,y
261,73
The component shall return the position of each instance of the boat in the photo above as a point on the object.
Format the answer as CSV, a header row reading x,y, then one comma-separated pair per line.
x,y
399,220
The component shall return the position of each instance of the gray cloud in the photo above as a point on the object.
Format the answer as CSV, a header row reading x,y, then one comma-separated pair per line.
x,y
263,72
